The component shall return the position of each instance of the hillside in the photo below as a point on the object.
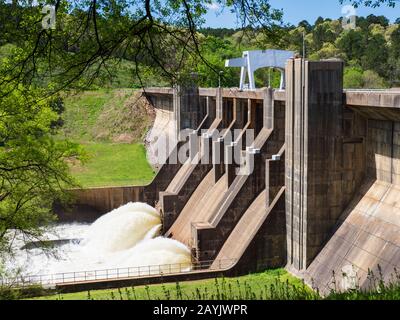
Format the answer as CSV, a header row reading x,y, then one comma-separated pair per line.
x,y
111,125
118,115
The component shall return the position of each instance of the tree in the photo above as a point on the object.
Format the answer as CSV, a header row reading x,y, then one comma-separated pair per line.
x,y
306,25
318,21
353,78
91,35
33,170
365,23
294,39
216,51
395,43
376,54
90,39
327,51
326,31
372,80
394,57
352,44
371,3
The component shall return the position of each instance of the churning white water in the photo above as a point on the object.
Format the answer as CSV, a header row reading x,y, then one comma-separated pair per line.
x,y
122,228
125,237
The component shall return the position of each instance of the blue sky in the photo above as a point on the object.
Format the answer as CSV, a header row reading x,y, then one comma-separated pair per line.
x,y
298,10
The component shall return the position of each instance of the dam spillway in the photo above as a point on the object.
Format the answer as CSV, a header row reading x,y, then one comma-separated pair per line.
x,y
126,237
326,168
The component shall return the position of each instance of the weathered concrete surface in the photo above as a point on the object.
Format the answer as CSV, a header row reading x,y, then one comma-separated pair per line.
x,y
163,125
209,235
202,202
258,94
184,184
383,151
237,114
91,203
258,240
324,156
176,109
173,201
264,246
373,98
367,238
352,98
367,235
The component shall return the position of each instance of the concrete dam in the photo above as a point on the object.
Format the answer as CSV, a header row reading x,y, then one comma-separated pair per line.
x,y
322,197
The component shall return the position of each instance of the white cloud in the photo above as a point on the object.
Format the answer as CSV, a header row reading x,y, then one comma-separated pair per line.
x,y
213,6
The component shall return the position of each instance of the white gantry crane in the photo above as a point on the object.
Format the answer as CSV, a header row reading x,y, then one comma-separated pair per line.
x,y
253,60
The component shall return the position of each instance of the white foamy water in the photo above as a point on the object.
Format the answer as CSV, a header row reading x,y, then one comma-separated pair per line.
x,y
125,237
121,228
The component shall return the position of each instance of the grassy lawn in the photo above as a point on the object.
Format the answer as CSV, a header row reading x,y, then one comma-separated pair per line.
x,y
114,165
271,284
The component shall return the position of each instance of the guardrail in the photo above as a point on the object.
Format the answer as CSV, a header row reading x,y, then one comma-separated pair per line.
x,y
117,273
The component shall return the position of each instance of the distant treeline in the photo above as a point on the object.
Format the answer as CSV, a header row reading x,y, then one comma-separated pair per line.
x,y
371,51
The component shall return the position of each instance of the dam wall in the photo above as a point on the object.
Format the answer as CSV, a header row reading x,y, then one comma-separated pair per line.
x,y
322,200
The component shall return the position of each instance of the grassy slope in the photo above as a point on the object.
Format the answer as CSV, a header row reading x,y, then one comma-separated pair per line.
x,y
114,165
271,284
98,119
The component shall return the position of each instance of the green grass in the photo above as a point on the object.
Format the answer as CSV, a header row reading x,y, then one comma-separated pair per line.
x,y
271,284
81,113
114,165
110,124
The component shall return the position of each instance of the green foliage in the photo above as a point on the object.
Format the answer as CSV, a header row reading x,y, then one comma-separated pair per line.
x,y
215,51
356,78
353,78
325,32
371,3
375,54
373,46
94,41
328,51
167,53
352,43
372,80
217,32
10,293
33,168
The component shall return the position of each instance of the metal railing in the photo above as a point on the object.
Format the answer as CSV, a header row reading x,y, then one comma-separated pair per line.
x,y
117,273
